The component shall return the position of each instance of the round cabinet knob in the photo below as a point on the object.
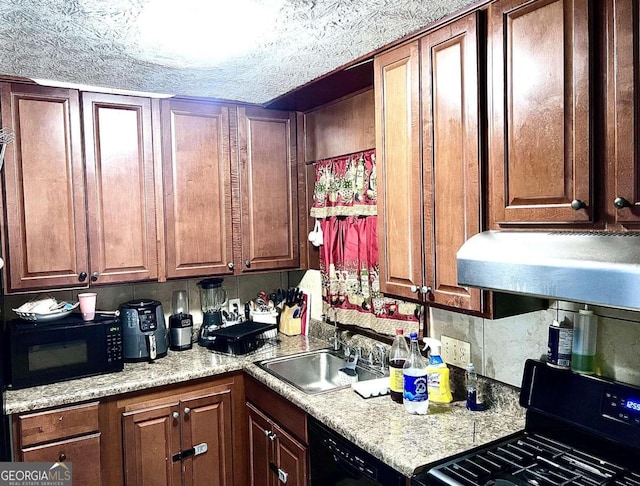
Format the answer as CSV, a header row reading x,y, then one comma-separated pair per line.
x,y
82,276
175,415
425,290
230,265
415,289
247,263
577,204
62,457
94,276
621,202
187,410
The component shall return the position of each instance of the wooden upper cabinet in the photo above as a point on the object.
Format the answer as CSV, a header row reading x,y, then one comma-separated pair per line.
x,y
197,188
540,157
45,239
623,115
267,190
451,157
120,188
399,169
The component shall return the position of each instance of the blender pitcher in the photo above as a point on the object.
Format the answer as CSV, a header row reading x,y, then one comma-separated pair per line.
x,y
212,298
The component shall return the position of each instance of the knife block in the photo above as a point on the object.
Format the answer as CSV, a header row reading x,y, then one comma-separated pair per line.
x,y
289,325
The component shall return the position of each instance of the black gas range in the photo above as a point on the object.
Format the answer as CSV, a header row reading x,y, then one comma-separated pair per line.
x,y
579,430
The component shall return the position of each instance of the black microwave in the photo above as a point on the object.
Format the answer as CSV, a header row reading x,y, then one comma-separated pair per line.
x,y
42,353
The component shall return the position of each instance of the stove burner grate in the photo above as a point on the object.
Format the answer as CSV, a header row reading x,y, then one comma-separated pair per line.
x,y
532,459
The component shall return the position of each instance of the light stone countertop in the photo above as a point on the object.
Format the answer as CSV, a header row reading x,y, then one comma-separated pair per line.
x,y
378,425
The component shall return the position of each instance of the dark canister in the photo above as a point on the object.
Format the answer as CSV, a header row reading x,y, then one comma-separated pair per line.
x,y
180,322
559,346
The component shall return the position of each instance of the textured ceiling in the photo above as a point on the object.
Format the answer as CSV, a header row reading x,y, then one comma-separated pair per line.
x,y
98,42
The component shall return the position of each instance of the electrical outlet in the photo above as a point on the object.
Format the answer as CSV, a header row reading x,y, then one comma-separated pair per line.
x,y
237,302
455,352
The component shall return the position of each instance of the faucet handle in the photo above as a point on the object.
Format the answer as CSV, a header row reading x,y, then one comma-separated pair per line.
x,y
383,355
370,359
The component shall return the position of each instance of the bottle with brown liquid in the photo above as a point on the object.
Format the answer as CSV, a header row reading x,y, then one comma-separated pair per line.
x,y
397,358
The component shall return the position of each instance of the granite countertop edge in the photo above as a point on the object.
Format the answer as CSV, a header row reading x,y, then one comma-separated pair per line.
x,y
405,442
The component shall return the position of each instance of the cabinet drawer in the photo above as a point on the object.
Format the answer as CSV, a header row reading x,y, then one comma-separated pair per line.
x,y
82,452
278,408
61,423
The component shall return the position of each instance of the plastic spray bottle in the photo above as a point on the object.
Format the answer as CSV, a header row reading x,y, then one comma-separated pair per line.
x,y
437,373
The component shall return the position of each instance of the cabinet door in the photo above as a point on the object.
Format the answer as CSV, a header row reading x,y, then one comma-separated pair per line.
x,y
82,452
268,190
197,189
451,156
120,188
624,127
151,439
45,239
207,420
539,120
290,458
260,447
397,107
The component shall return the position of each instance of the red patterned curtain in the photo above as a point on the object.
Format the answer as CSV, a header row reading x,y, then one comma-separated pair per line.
x,y
345,202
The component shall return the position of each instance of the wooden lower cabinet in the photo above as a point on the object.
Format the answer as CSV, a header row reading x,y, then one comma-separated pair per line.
x,y
151,438
82,452
151,435
275,456
184,439
65,434
277,445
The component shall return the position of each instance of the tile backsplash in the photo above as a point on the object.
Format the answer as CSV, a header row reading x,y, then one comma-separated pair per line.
x,y
110,297
500,347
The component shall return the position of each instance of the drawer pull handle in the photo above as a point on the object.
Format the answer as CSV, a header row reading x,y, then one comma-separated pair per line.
x,y
62,457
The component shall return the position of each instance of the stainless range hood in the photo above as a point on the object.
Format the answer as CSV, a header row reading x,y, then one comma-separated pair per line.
x,y
587,267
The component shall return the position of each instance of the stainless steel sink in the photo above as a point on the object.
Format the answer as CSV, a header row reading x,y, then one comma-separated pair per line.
x,y
315,371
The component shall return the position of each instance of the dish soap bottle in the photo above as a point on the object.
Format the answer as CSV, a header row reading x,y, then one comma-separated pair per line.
x,y
397,358
585,334
416,395
438,383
